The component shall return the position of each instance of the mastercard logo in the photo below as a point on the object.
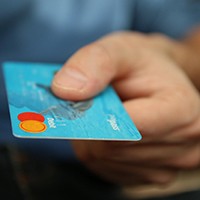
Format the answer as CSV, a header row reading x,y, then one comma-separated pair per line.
x,y
32,122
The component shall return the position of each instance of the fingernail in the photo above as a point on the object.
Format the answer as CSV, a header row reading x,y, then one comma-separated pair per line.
x,y
70,79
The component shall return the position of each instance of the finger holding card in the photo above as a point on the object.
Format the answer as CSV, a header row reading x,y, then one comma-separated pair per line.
x,y
37,113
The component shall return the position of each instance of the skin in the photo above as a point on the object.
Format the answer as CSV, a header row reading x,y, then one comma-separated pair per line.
x,y
158,94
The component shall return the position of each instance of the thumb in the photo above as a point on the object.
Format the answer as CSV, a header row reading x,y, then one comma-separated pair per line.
x,y
90,70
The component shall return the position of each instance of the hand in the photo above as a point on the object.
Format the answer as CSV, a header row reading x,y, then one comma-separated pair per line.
x,y
157,94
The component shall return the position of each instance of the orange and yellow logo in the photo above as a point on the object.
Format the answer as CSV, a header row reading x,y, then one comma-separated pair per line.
x,y
32,122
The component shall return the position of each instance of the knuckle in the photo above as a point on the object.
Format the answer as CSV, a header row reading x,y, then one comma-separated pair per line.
x,y
192,163
103,57
82,156
101,150
98,49
189,161
164,178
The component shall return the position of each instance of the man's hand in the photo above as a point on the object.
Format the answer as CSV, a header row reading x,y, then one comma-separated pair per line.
x,y
157,94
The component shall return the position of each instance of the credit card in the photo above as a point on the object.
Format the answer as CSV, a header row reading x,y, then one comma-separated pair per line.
x,y
37,113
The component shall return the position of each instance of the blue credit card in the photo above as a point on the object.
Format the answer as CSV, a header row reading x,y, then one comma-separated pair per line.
x,y
36,113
